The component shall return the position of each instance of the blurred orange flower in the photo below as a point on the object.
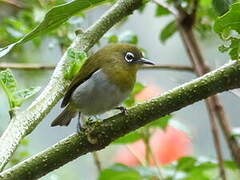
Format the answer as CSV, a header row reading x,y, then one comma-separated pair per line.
x,y
148,92
167,146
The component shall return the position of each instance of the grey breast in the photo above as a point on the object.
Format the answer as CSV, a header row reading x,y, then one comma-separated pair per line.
x,y
97,95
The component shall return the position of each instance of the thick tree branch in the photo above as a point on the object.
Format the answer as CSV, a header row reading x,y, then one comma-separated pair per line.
x,y
26,121
101,134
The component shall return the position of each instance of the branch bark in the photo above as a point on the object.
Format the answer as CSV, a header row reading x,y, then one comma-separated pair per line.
x,y
100,134
26,121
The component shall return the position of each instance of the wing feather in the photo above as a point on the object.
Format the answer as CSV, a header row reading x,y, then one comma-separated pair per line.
x,y
89,67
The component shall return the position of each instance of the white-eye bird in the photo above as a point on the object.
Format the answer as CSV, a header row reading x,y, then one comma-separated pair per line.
x,y
103,82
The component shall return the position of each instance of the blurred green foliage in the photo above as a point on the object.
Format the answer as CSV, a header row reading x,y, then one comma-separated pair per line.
x,y
228,27
186,168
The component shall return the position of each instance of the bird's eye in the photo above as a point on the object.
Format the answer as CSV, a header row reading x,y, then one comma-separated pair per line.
x,y
129,57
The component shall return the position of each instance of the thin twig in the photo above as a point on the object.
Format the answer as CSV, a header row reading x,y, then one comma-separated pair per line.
x,y
34,66
185,24
164,4
201,68
26,66
169,67
216,137
97,161
141,160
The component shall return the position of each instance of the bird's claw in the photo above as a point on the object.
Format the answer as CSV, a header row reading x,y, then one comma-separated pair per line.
x,y
122,109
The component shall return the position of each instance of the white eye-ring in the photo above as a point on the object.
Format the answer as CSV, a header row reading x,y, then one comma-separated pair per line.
x,y
129,57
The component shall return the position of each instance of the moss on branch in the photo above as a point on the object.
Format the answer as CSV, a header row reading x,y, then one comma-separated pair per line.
x,y
104,132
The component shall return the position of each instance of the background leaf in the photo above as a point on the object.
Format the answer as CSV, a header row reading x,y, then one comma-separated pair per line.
x,y
9,85
168,31
119,172
53,19
128,37
76,60
130,101
161,11
229,21
221,6
22,95
160,123
129,138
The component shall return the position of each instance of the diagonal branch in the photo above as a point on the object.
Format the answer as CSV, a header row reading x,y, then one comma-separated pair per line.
x,y
25,122
101,134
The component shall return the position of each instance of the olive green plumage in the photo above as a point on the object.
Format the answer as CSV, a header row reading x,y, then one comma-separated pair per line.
x,y
113,68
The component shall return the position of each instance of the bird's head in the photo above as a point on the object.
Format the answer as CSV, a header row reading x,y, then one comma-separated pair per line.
x,y
124,55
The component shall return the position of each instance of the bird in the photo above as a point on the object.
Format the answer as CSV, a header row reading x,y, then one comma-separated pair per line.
x,y
104,81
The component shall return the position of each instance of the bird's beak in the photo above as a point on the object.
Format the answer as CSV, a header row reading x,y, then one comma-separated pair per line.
x,y
145,61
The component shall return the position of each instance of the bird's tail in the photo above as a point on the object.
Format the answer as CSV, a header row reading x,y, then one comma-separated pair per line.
x,y
65,117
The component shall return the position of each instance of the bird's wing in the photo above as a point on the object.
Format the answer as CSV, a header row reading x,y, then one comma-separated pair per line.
x,y
86,71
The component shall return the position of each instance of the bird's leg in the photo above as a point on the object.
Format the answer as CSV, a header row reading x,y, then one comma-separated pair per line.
x,y
80,123
122,109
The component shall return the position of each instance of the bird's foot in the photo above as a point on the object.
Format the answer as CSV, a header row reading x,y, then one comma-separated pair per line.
x,y
83,124
122,109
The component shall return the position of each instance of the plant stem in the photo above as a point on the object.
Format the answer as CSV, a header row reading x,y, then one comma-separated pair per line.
x,y
30,67
201,68
97,161
185,23
216,137
26,66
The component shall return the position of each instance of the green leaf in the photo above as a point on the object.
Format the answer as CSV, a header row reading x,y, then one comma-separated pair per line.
x,y
9,85
221,6
53,19
8,81
22,95
229,21
76,60
113,39
130,101
168,31
129,138
161,11
128,37
119,172
233,49
231,165
186,164
161,123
